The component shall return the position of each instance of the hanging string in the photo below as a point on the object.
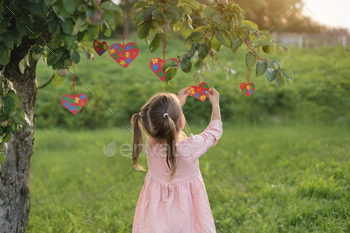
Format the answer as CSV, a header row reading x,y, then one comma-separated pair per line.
x,y
200,74
207,40
73,81
74,88
100,32
248,71
164,42
123,21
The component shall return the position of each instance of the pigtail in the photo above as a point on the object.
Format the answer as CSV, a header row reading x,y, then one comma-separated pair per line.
x,y
170,135
138,142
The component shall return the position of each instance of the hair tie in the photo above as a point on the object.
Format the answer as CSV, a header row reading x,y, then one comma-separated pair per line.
x,y
165,114
140,113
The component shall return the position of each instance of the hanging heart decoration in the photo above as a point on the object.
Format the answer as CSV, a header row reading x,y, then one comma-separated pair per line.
x,y
100,47
247,88
74,103
200,92
124,54
156,65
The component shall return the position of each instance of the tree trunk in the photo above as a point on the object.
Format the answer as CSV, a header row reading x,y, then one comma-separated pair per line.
x,y
15,171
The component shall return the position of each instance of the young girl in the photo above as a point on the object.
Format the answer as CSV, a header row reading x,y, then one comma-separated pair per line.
x,y
173,198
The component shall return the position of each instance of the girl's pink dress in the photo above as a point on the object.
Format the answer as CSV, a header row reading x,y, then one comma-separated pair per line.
x,y
182,205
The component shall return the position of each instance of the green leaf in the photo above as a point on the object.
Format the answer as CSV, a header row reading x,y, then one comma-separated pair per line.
x,y
46,82
170,74
155,43
193,35
174,11
186,65
54,55
157,15
110,6
271,74
215,44
2,157
69,41
148,12
140,4
93,31
67,26
23,24
261,42
19,116
287,73
4,24
276,63
27,58
191,3
168,17
53,23
139,15
208,11
22,65
224,38
249,25
236,43
14,97
283,48
143,29
7,135
169,63
57,80
70,5
9,105
203,50
280,81
78,25
261,68
250,59
185,29
4,54
75,56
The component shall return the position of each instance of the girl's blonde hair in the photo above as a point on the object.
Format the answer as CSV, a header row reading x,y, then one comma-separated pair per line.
x,y
159,126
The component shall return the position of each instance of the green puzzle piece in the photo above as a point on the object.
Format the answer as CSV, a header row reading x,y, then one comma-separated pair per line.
x,y
101,45
65,98
71,100
115,56
121,50
205,86
160,73
134,46
78,108
253,86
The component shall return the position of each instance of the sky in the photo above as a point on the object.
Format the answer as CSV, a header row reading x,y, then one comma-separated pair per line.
x,y
332,13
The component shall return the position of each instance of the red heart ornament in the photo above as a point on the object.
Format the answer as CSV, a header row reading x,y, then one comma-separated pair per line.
x,y
156,65
100,47
247,88
124,54
74,103
200,92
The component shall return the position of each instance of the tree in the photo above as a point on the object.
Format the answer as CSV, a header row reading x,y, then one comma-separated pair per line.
x,y
59,31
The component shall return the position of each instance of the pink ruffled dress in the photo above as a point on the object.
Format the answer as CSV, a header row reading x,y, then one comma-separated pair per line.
x,y
181,205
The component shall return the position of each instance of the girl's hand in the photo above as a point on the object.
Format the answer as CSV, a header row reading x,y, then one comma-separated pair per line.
x,y
183,93
213,96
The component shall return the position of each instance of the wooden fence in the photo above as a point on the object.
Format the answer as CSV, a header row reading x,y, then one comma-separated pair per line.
x,y
311,40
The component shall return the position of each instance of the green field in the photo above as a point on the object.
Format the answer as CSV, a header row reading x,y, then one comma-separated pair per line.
x,y
259,179
282,164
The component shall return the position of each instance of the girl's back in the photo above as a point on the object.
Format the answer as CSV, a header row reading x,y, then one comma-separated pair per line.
x,y
179,204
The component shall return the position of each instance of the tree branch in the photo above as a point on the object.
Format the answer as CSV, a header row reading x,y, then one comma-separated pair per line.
x,y
1,76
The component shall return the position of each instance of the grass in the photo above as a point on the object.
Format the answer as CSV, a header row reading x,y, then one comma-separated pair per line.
x,y
258,179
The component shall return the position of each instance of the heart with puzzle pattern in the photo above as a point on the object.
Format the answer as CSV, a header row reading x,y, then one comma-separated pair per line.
x,y
74,103
124,54
200,92
247,88
156,65
100,47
